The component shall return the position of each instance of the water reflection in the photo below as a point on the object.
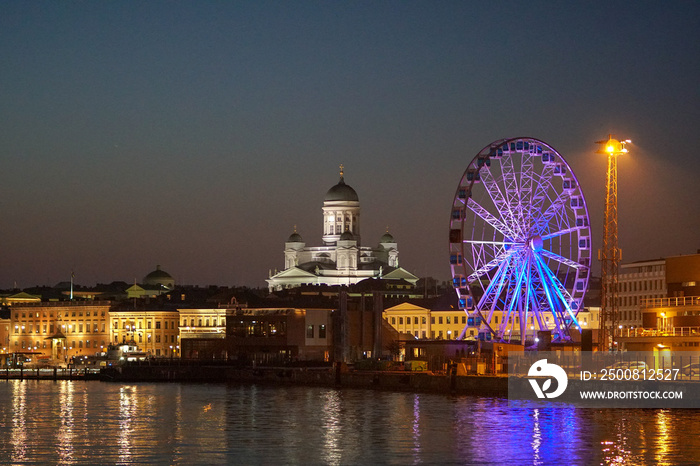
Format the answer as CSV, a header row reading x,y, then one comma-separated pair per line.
x,y
416,429
331,428
128,405
91,422
536,437
67,423
663,437
18,435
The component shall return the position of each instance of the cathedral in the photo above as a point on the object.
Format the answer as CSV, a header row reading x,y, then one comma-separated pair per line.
x,y
342,260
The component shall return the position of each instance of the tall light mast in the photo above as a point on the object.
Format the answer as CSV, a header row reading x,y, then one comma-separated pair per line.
x,y
611,254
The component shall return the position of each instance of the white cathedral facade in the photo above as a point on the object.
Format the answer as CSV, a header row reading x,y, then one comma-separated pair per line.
x,y
342,260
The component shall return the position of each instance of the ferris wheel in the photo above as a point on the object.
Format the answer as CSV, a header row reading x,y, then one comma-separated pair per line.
x,y
520,242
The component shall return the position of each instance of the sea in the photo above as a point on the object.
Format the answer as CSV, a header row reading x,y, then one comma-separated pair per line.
x,y
92,422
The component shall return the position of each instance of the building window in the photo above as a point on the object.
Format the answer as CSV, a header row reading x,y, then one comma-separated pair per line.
x,y
309,331
322,331
157,324
415,320
393,321
423,321
400,320
440,321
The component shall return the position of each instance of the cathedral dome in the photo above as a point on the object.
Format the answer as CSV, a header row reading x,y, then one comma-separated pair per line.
x,y
341,192
159,277
347,236
295,238
387,238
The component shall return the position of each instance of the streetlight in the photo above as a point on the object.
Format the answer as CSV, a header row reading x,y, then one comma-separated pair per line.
x,y
610,255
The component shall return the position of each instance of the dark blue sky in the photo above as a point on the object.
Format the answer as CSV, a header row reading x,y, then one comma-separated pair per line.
x,y
195,135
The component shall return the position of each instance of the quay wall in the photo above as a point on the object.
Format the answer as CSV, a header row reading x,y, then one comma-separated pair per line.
x,y
332,377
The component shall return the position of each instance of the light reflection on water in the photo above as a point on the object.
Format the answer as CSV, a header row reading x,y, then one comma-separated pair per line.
x,y
91,422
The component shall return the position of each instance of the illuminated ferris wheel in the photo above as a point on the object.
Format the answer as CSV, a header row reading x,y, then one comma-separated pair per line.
x,y
520,243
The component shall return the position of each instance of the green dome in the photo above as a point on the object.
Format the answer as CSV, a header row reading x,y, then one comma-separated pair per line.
x,y
387,238
341,192
295,238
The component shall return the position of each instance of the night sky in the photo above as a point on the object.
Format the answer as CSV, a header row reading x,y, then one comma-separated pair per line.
x,y
195,135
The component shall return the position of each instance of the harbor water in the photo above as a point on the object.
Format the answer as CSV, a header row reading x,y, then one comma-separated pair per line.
x,y
91,422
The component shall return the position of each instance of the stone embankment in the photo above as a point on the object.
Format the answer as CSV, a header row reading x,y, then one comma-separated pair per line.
x,y
326,376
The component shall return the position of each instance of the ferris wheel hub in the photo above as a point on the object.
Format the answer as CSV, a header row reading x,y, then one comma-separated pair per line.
x,y
536,243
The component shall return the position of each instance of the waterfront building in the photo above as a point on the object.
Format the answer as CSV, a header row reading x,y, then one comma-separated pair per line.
x,y
642,281
638,281
279,334
155,331
342,259
202,323
410,319
448,323
58,331
671,323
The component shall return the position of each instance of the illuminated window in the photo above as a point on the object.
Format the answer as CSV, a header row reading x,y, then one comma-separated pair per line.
x,y
322,331
309,331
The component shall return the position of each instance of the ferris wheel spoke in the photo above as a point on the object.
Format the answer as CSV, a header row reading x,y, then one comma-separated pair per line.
x,y
547,287
561,291
498,199
539,195
561,232
512,195
493,294
558,205
495,243
489,218
561,259
486,268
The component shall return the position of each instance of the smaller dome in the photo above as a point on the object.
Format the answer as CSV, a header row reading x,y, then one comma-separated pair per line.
x,y
295,238
157,274
347,236
387,238
159,277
